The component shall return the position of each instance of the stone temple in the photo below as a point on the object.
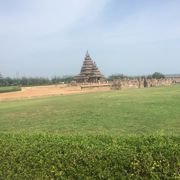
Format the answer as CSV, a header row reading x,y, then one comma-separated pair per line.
x,y
89,72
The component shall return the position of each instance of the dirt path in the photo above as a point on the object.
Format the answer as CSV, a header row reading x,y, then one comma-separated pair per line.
x,y
43,91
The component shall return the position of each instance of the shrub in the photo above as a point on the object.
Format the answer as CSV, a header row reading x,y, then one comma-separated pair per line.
x,y
158,75
88,157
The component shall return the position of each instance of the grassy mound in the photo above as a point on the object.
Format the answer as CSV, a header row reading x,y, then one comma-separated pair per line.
x,y
9,89
93,157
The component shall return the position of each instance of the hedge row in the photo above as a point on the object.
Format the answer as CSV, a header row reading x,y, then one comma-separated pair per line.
x,y
89,157
9,89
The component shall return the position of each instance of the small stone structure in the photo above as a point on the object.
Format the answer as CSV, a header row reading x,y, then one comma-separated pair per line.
x,y
89,72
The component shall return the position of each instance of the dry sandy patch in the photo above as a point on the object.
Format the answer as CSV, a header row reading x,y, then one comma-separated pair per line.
x,y
53,90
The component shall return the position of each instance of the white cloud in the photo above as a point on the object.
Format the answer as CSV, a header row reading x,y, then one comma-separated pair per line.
x,y
50,16
150,24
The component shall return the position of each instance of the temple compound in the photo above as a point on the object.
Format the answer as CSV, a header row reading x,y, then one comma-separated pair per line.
x,y
89,72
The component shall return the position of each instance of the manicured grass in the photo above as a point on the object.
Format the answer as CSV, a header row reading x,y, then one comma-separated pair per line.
x,y
5,89
127,112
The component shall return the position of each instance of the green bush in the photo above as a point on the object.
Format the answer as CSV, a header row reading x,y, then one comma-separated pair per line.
x,y
9,89
89,157
158,75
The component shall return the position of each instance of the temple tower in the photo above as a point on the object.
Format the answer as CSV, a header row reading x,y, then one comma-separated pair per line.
x,y
89,71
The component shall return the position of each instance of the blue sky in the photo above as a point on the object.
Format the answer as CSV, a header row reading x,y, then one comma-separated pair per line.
x,y
50,37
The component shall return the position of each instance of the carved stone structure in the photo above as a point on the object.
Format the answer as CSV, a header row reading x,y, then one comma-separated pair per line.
x,y
143,83
89,72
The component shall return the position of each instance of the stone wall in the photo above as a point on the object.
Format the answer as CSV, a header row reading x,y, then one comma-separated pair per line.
x,y
143,83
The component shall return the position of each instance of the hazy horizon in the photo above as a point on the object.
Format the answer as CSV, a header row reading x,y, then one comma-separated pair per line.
x,y
50,38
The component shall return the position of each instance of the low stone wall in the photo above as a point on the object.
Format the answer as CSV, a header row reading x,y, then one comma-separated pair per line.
x,y
143,83
128,83
176,80
89,86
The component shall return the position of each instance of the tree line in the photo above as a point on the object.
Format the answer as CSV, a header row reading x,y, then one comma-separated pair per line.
x,y
34,81
156,75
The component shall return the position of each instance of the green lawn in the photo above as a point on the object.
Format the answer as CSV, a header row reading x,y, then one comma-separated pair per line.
x,y
127,112
4,89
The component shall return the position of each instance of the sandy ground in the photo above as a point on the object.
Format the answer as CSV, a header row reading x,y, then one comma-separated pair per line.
x,y
43,91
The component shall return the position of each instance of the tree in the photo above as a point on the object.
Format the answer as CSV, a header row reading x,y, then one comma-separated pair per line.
x,y
116,77
158,75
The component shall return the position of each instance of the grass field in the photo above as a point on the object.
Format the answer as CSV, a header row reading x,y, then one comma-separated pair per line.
x,y
132,134
128,112
5,89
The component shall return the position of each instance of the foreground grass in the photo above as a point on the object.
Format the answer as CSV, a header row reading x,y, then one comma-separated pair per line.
x,y
89,157
128,112
9,89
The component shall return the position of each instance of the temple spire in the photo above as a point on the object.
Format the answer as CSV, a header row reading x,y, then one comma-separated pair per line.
x,y
87,54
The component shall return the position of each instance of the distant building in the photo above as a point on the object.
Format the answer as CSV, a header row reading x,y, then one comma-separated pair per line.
x,y
89,71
